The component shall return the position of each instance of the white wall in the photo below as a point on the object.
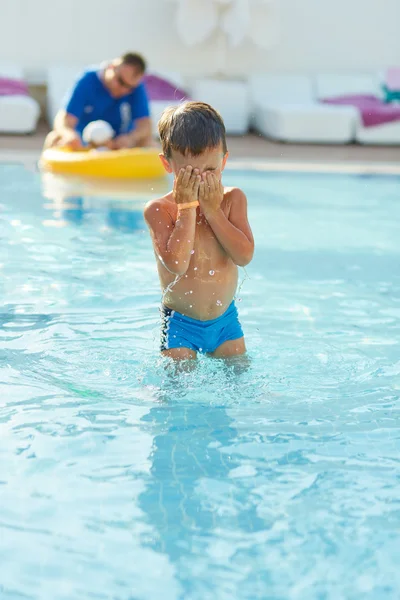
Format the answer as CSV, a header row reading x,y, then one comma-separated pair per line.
x,y
313,35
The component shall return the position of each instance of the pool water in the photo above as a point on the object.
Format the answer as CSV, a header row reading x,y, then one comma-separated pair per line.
x,y
120,480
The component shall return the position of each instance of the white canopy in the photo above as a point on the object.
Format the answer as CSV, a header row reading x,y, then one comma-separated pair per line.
x,y
197,20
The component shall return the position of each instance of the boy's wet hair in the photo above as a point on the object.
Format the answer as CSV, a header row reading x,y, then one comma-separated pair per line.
x,y
190,129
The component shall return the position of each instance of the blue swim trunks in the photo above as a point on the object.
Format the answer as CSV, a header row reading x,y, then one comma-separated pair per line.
x,y
179,331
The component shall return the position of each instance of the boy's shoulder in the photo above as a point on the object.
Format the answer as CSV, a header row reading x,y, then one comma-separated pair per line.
x,y
234,194
165,203
234,191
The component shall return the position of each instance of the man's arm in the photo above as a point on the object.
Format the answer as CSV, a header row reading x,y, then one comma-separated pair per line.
x,y
64,127
65,123
141,136
67,119
233,233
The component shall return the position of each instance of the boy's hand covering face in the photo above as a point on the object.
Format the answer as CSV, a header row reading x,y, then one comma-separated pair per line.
x,y
211,193
186,185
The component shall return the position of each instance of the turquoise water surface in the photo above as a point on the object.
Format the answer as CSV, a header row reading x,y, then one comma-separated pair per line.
x,y
119,480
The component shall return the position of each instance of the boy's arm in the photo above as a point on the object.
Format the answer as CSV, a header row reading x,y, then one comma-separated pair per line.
x,y
233,233
174,242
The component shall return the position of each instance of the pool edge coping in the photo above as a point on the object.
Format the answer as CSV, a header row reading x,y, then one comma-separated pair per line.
x,y
31,157
308,166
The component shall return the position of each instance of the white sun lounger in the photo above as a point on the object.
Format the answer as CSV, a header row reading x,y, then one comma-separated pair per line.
x,y
18,114
229,97
284,108
358,83
387,134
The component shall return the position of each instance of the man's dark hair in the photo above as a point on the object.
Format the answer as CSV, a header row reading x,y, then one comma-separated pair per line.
x,y
190,129
134,60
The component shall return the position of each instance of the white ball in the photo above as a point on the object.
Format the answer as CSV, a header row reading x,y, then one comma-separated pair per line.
x,y
97,132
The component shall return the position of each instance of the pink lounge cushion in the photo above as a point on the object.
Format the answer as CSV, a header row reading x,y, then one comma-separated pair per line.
x,y
372,110
161,89
13,87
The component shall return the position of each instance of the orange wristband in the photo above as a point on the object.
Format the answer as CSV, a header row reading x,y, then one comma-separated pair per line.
x,y
188,205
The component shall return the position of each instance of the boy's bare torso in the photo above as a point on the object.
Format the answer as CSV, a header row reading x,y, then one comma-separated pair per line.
x,y
207,288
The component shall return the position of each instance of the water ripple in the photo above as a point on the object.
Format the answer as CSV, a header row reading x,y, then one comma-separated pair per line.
x,y
120,479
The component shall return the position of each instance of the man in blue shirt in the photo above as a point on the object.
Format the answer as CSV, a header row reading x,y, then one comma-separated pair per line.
x,y
114,93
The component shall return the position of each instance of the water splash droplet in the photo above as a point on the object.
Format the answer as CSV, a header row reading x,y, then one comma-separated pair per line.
x,y
211,272
219,303
192,252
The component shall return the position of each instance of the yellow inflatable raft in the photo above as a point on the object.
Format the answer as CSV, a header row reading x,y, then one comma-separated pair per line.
x,y
135,163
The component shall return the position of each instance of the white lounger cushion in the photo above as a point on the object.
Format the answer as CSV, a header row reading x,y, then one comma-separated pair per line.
x,y
284,109
11,71
277,89
387,134
307,123
329,86
229,97
18,114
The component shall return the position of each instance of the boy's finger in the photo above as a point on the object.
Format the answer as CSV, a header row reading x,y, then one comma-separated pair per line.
x,y
195,175
206,188
202,186
180,176
210,182
186,175
196,186
197,182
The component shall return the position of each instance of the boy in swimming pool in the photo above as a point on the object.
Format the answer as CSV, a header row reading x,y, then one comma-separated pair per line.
x,y
200,235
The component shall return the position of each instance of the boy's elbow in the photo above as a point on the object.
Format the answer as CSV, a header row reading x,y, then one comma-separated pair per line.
x,y
180,271
176,267
245,258
243,262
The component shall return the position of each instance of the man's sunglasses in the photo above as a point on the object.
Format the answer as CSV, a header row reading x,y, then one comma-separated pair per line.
x,y
123,83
